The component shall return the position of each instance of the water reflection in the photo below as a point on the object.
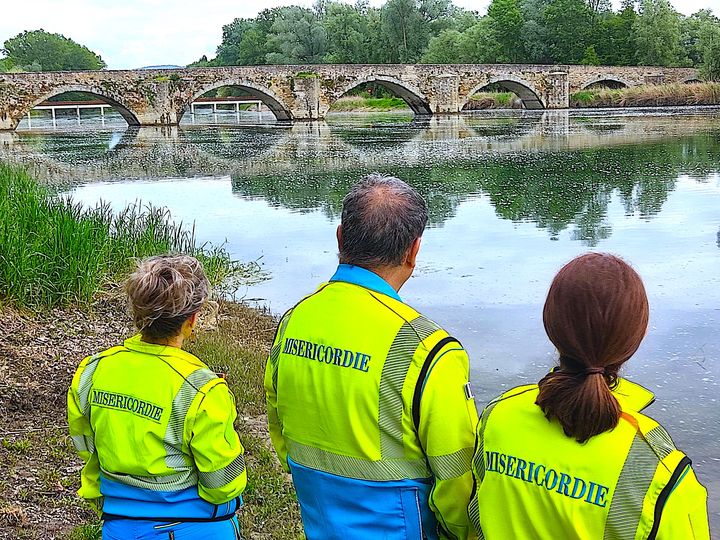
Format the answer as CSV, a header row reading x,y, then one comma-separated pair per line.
x,y
512,197
554,169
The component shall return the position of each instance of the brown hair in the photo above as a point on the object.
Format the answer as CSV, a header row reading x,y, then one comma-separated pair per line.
x,y
596,314
164,292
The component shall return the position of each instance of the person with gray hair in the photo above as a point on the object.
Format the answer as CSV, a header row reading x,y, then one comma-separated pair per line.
x,y
369,403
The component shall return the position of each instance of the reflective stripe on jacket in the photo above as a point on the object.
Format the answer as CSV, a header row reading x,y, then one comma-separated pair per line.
x,y
155,428
344,391
630,483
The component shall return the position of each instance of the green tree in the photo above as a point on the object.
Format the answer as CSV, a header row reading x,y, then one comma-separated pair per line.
x,y
245,41
710,50
690,28
616,38
348,40
507,25
590,58
296,37
445,48
657,34
568,25
533,32
478,44
203,62
52,52
402,24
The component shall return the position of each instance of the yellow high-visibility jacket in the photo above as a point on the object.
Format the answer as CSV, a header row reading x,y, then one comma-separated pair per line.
x,y
369,408
155,428
630,483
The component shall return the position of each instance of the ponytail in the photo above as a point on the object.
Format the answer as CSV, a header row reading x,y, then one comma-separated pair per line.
x,y
581,401
596,314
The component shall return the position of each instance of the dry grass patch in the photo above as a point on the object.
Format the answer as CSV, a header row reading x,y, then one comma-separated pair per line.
x,y
664,95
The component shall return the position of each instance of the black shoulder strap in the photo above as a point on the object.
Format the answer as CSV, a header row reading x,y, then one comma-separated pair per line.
x,y
665,493
423,374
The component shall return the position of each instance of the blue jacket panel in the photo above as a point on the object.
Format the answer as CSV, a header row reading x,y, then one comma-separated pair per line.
x,y
338,508
128,501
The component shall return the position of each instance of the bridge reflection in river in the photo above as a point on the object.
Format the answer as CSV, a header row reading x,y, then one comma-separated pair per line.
x,y
512,197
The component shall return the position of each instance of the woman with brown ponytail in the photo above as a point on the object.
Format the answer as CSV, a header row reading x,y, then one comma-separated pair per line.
x,y
573,457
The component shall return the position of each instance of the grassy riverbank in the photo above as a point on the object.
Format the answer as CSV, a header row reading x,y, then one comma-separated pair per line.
x,y
493,100
361,103
55,252
664,95
60,266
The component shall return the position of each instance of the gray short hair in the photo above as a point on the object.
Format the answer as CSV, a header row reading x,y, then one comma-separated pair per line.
x,y
381,217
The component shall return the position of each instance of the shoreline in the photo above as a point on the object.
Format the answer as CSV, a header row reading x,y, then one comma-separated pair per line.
x,y
38,356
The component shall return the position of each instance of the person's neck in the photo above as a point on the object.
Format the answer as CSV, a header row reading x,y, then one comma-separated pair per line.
x,y
175,341
395,276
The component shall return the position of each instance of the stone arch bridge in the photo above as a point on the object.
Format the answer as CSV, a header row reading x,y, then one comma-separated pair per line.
x,y
161,97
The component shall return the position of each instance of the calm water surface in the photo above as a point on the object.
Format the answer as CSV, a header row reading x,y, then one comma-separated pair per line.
x,y
512,197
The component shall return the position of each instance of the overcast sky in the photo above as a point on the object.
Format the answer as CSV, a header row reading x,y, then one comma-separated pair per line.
x,y
134,33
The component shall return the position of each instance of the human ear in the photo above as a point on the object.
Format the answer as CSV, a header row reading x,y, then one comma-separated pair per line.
x,y
338,234
412,253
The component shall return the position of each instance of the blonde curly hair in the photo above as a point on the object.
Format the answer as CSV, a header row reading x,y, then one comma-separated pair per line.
x,y
164,291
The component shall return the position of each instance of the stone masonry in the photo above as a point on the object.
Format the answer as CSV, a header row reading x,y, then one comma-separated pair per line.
x,y
160,97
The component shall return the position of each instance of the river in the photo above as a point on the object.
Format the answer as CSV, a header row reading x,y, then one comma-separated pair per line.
x,y
512,197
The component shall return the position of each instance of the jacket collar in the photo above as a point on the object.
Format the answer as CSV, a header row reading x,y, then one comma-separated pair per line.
x,y
632,396
358,275
136,344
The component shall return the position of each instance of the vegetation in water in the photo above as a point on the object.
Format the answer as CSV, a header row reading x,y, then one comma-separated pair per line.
x,y
666,95
53,251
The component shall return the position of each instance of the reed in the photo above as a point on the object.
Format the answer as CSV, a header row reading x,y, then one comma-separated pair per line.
x,y
664,95
54,251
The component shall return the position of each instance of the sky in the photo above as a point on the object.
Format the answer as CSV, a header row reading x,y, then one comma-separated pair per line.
x,y
134,33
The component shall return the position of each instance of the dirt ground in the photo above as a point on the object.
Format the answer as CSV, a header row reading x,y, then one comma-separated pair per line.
x,y
40,470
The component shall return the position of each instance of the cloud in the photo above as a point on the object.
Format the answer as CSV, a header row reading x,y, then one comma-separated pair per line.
x,y
136,33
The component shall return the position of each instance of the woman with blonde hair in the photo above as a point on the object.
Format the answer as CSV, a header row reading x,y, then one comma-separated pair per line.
x,y
573,457
154,424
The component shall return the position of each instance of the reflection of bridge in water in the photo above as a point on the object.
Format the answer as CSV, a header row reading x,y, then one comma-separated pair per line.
x,y
553,169
351,144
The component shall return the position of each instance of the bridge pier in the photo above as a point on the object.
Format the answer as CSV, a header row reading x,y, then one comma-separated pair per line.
x,y
558,90
307,93
445,95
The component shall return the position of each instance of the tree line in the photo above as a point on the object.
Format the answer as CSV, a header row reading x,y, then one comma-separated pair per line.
x,y
640,32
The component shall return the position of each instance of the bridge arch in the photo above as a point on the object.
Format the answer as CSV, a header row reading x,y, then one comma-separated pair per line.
x,y
615,82
524,90
123,108
267,96
415,99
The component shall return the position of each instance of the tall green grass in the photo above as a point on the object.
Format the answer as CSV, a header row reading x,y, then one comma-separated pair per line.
x,y
54,251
